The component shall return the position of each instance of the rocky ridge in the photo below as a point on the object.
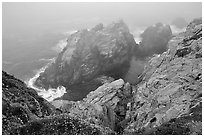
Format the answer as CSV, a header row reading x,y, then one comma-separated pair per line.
x,y
106,106
169,94
171,84
168,99
100,51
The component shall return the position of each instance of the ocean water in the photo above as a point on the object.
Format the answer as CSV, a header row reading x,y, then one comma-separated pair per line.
x,y
23,55
26,55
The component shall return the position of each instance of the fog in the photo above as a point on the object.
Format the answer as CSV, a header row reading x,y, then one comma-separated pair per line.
x,y
34,33
59,16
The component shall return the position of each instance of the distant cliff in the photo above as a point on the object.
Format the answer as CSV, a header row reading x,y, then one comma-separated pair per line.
x,y
168,99
101,51
90,53
155,39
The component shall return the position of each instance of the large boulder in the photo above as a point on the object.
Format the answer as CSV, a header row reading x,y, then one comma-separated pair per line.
x,y
106,106
88,54
170,91
154,40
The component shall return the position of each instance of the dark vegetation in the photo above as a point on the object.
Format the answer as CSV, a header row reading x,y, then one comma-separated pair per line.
x,y
59,125
26,113
21,104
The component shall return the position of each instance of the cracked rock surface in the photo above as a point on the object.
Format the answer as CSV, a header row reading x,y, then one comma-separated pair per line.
x,y
171,84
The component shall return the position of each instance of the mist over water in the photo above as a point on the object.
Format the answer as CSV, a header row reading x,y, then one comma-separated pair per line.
x,y
34,33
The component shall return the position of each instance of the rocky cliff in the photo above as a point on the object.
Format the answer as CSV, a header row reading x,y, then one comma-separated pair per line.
x,y
100,51
166,101
154,40
105,106
26,113
90,53
171,88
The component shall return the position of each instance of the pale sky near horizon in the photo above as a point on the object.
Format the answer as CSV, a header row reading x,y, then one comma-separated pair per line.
x,y
22,16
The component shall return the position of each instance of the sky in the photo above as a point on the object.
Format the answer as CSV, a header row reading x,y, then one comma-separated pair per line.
x,y
47,16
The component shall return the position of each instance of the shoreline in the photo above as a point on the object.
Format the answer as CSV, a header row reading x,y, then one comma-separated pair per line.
x,y
49,94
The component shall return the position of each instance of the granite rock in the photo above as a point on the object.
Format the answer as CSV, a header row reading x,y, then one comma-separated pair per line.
x,y
171,84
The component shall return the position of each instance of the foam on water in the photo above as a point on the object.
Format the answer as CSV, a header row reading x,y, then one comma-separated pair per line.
x,y
137,32
176,30
49,94
60,45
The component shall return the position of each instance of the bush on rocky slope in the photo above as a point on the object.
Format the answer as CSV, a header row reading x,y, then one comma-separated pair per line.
x,y
60,125
21,104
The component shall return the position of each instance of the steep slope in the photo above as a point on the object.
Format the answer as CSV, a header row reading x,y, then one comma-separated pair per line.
x,y
171,87
25,113
21,104
155,39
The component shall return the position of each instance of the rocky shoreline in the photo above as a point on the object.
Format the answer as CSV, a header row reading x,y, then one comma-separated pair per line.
x,y
167,99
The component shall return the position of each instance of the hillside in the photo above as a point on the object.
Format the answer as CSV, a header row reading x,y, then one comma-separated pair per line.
x,y
26,113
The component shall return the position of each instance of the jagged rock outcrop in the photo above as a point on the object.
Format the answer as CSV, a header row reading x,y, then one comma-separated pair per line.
x,y
105,106
154,40
167,100
88,54
26,113
171,87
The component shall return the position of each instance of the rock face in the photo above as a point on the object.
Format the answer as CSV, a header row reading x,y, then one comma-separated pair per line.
x,y
26,113
171,87
154,40
105,106
168,99
88,54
